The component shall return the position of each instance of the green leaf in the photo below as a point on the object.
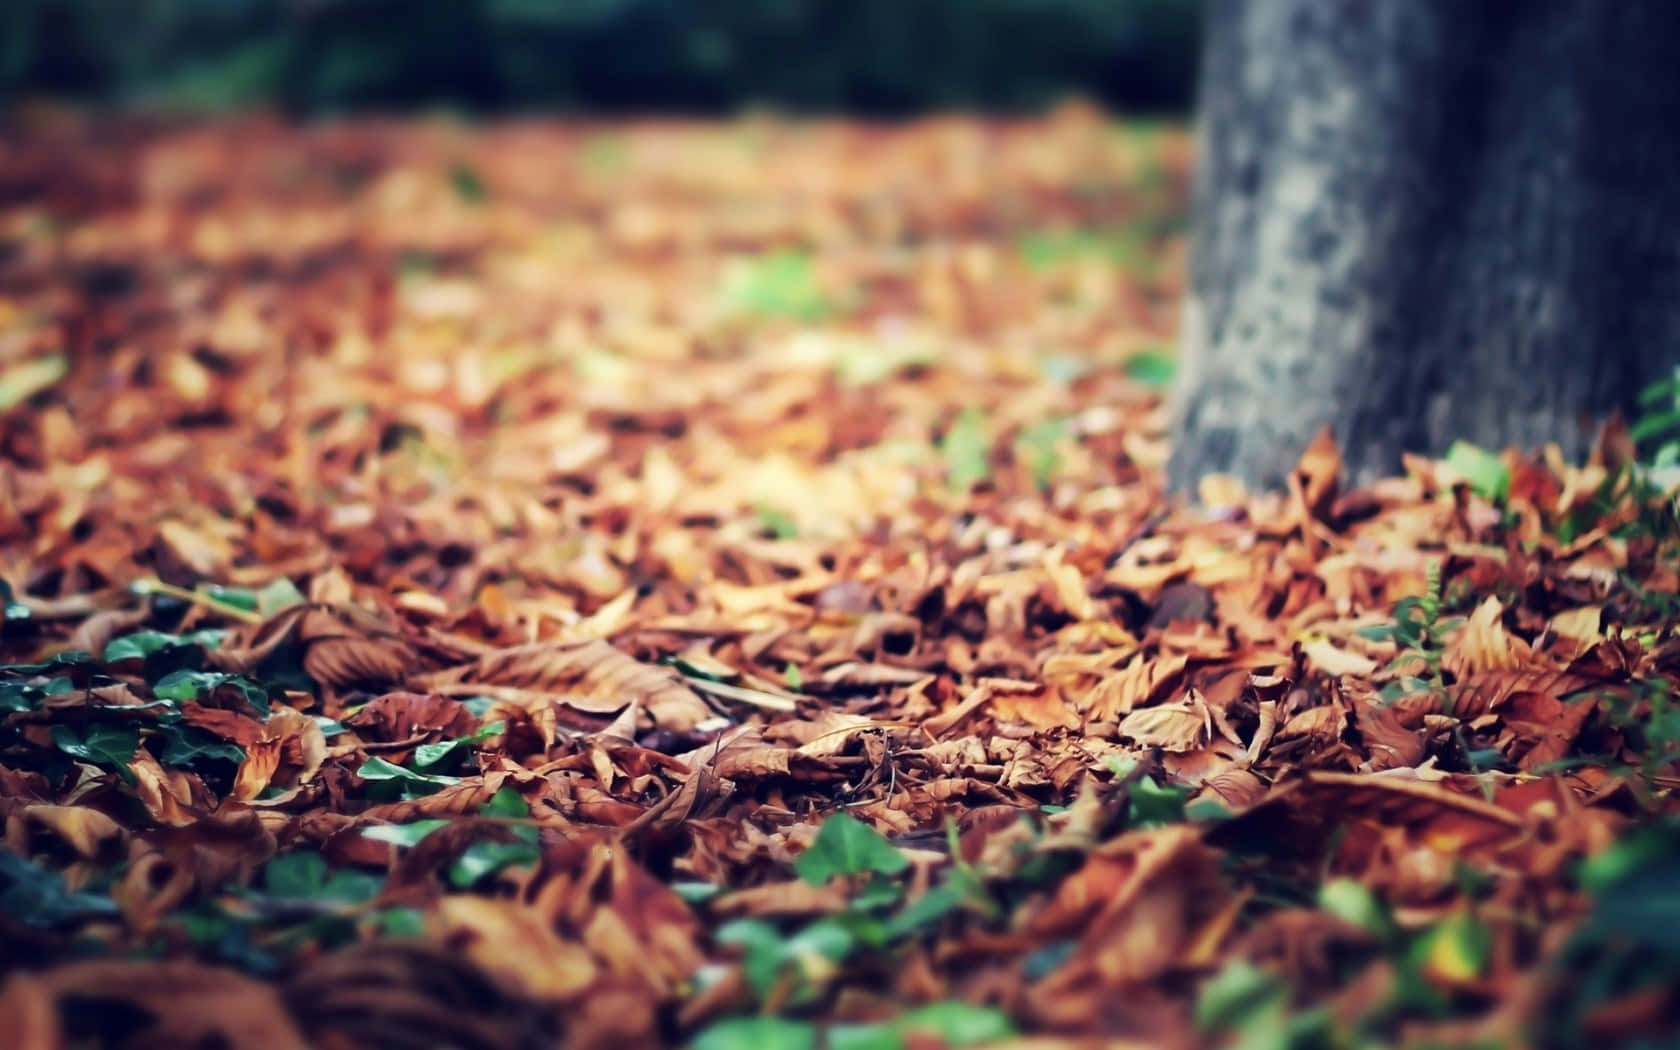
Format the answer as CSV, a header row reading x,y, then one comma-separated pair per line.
x,y
762,958
183,685
10,607
1152,368
1046,960
1455,949
108,746
466,183
1651,425
1352,901
304,876
847,846
1484,470
27,696
958,1024
824,940
278,595
880,1035
399,922
1664,389
1636,889
487,858
777,522
966,448
379,770
1234,995
875,894
1154,805
757,1033
1037,447
187,745
38,897
141,644
505,803
428,755
925,911
403,834
777,284
696,892
299,874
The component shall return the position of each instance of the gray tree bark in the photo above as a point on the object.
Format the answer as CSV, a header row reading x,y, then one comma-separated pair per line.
x,y
1421,220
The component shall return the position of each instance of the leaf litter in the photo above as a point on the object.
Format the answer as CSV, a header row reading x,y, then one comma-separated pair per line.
x,y
730,600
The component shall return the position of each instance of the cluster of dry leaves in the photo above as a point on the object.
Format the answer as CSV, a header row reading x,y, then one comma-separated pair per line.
x,y
642,496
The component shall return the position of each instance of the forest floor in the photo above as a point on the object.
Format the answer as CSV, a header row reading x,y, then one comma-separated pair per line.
x,y
640,584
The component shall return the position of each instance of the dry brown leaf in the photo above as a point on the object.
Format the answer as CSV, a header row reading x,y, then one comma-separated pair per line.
x,y
546,967
180,1003
1183,725
86,831
1327,658
590,675
1483,644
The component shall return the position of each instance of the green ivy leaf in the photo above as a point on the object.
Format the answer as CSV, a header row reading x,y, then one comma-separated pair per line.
x,y
403,834
26,696
958,1024
696,892
38,897
487,858
378,770
757,1033
399,922
187,745
966,448
506,802
105,745
141,644
299,874
847,846
1234,996
1152,368
1353,902
1455,949
1154,805
1484,470
428,755
926,910
184,685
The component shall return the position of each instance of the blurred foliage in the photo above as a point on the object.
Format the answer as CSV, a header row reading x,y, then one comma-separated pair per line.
x,y
881,56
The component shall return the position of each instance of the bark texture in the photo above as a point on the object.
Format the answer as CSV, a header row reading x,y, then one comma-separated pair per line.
x,y
1420,220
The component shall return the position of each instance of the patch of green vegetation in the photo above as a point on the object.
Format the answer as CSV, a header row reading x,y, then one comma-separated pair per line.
x,y
1626,947
1486,473
605,155
1418,630
1657,430
778,284
966,448
777,523
1127,246
1037,446
1153,368
467,184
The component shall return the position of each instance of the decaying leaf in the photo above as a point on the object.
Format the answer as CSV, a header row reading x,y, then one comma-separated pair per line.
x,y
458,577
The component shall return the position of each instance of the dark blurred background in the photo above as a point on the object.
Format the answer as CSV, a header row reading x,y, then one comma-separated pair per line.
x,y
880,57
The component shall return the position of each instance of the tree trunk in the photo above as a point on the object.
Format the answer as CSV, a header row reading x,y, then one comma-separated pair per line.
x,y
1421,220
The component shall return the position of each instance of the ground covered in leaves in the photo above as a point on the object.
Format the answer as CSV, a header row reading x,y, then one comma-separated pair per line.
x,y
651,584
